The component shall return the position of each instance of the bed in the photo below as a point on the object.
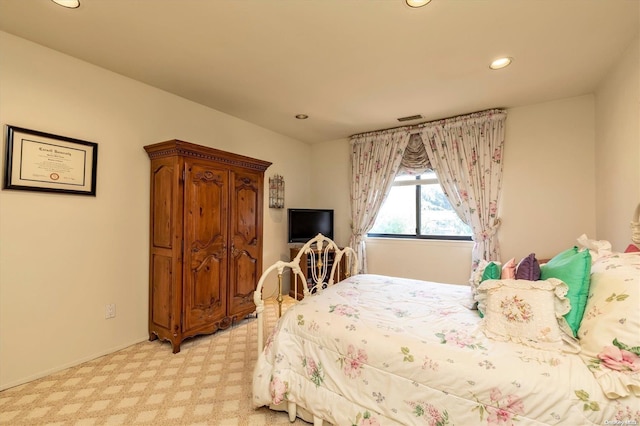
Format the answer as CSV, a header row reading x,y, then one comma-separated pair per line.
x,y
378,350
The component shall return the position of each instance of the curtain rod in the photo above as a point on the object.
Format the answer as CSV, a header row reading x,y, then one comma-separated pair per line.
x,y
414,128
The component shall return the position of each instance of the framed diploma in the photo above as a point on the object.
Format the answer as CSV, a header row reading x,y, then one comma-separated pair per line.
x,y
37,161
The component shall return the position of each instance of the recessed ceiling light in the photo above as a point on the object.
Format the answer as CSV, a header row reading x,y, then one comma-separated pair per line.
x,y
417,3
71,4
500,63
302,116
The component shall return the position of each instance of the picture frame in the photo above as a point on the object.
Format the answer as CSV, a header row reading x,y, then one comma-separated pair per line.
x,y
39,161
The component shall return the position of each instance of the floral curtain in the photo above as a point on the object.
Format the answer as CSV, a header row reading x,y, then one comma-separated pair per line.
x,y
466,154
375,160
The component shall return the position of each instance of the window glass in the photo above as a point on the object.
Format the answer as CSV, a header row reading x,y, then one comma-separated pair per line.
x,y
417,207
437,217
398,213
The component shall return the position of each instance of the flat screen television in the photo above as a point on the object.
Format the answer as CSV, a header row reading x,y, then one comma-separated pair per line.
x,y
304,224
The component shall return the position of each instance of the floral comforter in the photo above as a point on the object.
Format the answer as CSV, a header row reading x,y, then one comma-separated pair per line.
x,y
375,350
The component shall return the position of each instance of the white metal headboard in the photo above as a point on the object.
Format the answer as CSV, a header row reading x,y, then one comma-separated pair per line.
x,y
318,249
635,226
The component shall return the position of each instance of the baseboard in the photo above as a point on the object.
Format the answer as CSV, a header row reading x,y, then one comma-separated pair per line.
x,y
68,365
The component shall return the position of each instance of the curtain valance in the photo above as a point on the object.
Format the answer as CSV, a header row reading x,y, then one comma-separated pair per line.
x,y
466,120
415,159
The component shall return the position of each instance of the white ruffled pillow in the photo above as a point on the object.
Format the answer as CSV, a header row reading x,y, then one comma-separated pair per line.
x,y
527,312
610,329
597,248
474,282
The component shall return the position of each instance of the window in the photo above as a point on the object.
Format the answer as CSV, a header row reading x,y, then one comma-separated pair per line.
x,y
416,207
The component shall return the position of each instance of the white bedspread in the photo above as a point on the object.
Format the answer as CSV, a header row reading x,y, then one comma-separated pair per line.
x,y
376,350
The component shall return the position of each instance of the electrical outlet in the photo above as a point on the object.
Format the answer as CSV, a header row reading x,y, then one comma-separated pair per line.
x,y
110,311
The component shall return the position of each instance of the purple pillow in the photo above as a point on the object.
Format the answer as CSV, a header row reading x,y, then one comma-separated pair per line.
x,y
528,268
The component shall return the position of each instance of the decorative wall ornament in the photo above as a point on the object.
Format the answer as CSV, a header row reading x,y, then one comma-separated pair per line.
x,y
276,192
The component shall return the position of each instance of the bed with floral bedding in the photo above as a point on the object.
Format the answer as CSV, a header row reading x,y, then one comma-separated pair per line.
x,y
378,350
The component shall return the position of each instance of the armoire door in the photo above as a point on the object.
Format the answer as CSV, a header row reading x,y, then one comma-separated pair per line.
x,y
206,190
164,299
246,240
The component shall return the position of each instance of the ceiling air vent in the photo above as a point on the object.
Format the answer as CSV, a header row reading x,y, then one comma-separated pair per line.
x,y
411,117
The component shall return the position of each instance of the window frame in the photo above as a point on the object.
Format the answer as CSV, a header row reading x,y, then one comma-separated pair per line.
x,y
418,182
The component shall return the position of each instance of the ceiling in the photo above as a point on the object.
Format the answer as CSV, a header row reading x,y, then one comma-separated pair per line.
x,y
351,65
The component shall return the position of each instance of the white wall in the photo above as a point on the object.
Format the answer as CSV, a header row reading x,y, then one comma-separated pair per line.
x,y
438,261
548,197
618,148
547,202
331,177
64,257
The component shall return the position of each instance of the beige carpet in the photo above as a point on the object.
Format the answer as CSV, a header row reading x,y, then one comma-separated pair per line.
x,y
207,383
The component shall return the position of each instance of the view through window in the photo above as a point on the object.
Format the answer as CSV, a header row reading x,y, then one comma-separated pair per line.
x,y
416,207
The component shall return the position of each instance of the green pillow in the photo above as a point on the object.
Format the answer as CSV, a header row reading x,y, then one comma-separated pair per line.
x,y
573,267
491,272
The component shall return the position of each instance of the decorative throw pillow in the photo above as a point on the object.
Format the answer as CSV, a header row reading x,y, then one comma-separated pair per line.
x,y
491,272
610,330
597,248
572,266
528,268
474,282
527,312
632,248
478,276
509,269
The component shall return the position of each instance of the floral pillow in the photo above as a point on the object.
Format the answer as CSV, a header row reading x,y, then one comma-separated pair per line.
x,y
527,312
610,330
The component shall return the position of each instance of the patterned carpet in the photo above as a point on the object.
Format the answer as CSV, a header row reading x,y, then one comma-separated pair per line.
x,y
207,383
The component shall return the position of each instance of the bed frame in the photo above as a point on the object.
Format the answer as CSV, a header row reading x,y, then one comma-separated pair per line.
x,y
635,226
318,250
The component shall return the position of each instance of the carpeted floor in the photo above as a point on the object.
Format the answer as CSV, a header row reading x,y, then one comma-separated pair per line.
x,y
207,383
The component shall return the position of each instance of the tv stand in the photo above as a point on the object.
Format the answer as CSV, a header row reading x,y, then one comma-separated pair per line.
x,y
305,267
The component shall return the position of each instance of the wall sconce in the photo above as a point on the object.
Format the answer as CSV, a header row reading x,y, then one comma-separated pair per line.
x,y
276,192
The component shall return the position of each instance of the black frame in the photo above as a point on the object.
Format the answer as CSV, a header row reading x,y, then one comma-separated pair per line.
x,y
10,162
418,235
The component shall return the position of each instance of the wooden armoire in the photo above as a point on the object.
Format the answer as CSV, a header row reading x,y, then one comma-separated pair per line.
x,y
205,239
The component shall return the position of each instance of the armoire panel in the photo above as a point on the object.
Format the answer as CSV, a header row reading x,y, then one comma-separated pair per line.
x,y
205,298
161,290
247,210
163,184
245,273
205,199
